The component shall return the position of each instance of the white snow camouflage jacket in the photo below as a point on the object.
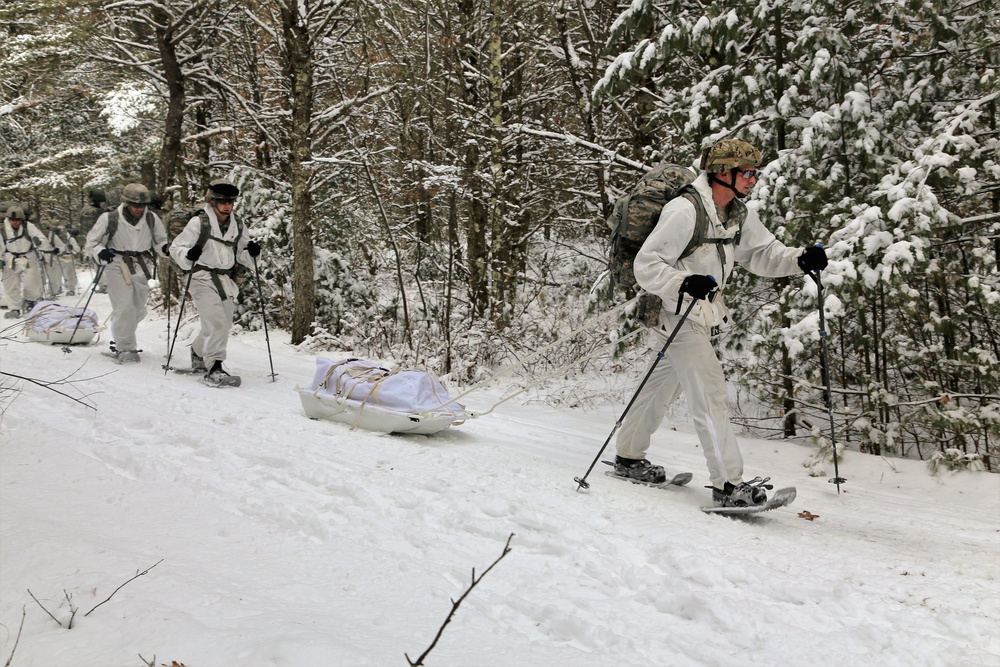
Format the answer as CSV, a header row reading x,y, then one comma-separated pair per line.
x,y
659,271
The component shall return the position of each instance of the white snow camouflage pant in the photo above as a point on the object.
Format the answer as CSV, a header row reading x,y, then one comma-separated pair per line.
x,y
21,272
215,315
691,366
128,303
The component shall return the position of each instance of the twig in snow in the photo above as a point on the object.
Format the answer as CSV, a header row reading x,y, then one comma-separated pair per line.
x,y
139,574
69,600
148,663
44,609
24,612
456,603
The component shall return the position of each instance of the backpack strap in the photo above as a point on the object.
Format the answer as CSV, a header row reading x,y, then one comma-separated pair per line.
x,y
205,235
700,235
112,226
206,231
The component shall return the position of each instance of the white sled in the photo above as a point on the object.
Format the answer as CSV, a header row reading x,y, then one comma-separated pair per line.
x,y
363,395
53,323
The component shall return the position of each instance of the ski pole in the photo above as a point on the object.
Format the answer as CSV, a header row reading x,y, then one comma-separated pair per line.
x,y
170,279
263,317
582,481
180,316
825,369
97,277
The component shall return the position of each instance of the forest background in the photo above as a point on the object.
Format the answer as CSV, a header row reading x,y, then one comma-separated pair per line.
x,y
430,179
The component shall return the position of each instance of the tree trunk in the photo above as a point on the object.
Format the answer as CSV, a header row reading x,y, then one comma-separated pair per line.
x,y
299,72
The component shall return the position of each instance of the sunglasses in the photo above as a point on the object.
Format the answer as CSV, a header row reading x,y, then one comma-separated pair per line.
x,y
137,205
748,173
225,201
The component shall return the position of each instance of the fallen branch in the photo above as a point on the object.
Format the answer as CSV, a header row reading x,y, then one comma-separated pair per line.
x,y
139,574
456,603
24,612
44,609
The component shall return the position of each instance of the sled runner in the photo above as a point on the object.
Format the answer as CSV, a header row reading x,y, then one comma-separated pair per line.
x,y
50,322
363,395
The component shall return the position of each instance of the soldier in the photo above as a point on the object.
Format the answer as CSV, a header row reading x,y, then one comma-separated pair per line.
x,y
21,275
68,249
729,171
210,245
126,241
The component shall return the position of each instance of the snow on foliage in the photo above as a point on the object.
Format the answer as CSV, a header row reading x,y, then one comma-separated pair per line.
x,y
126,106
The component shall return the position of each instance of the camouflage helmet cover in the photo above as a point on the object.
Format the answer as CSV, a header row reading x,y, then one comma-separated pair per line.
x,y
15,213
729,154
135,193
222,189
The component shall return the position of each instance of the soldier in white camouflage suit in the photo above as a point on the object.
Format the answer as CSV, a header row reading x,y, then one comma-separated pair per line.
x,y
729,170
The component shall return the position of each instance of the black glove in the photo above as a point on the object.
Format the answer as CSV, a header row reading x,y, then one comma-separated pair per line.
x,y
193,253
106,255
253,248
813,259
36,241
166,249
698,286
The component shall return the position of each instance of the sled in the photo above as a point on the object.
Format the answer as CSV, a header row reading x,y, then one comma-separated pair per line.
x,y
364,395
53,323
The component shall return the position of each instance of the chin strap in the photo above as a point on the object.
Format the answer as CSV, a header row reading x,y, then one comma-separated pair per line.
x,y
732,177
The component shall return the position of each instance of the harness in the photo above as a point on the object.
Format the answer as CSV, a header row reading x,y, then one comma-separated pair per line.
x,y
737,216
129,255
17,236
205,235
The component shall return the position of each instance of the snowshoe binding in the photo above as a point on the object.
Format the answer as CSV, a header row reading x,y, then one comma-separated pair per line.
x,y
744,494
218,377
641,471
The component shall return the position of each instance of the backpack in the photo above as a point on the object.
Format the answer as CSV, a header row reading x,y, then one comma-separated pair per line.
x,y
634,217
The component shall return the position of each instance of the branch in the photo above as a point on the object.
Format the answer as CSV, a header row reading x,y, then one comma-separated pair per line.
x,y
24,612
48,385
570,139
146,571
456,603
44,609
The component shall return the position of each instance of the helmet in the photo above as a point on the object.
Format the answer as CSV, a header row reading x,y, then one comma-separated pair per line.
x,y
222,189
729,154
15,213
135,193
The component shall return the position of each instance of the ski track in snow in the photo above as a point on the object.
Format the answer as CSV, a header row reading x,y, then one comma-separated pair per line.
x,y
287,541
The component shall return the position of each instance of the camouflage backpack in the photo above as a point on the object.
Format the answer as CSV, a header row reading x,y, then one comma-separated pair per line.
x,y
635,215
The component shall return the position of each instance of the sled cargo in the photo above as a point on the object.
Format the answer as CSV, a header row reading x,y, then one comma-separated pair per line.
x,y
364,395
53,323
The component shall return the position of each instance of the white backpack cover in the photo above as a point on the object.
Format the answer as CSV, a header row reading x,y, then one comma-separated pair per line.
x,y
51,322
362,393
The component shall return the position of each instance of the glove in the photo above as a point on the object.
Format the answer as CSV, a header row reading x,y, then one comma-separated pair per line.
x,y
698,286
106,255
166,249
193,253
253,248
36,241
813,259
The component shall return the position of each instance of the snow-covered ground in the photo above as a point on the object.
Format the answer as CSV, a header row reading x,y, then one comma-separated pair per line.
x,y
269,539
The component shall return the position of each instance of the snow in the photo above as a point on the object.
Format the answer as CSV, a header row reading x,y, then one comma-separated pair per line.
x,y
269,539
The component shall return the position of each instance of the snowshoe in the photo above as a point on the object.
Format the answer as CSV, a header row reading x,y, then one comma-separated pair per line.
x,y
218,377
744,494
640,470
128,357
